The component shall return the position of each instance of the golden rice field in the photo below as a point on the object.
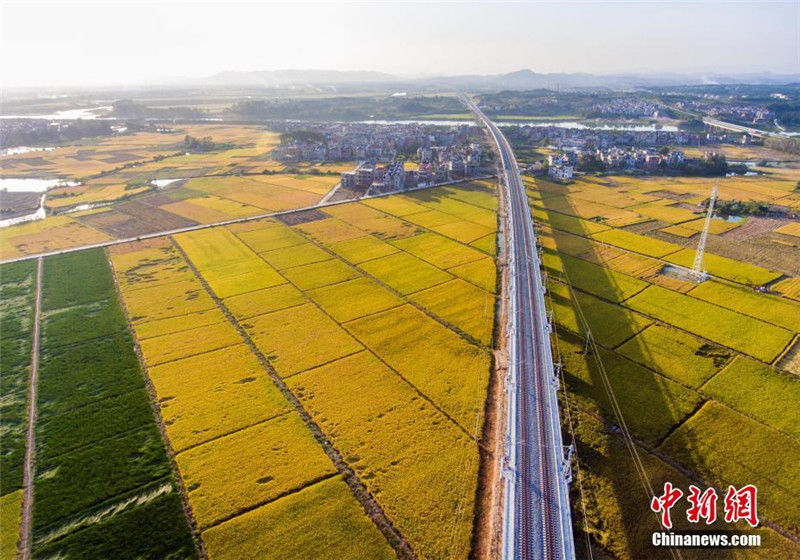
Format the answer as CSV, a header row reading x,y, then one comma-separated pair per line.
x,y
10,508
115,175
392,366
790,287
51,234
337,530
230,474
693,366
208,395
399,444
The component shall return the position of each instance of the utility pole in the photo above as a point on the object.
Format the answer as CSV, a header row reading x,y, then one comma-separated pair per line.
x,y
697,268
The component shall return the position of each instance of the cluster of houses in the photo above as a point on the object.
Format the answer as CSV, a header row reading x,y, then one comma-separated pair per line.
x,y
625,107
739,112
437,164
443,153
639,159
363,141
586,138
561,166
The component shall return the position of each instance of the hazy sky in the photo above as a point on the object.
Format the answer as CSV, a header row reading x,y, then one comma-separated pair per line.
x,y
100,43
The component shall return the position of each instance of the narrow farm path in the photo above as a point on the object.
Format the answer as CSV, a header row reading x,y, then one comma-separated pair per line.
x,y
191,520
26,522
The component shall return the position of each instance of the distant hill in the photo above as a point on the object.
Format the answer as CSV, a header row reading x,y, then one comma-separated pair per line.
x,y
284,78
518,80
527,79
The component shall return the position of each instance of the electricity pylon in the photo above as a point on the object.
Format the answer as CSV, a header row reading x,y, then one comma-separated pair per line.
x,y
698,272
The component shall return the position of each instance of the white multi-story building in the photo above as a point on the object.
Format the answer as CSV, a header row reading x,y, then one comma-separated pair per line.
x,y
560,172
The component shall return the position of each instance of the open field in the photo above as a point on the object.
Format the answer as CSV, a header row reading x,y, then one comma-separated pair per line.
x,y
10,509
775,310
740,332
212,394
115,197
398,444
675,352
729,269
405,273
230,474
725,447
52,234
17,293
463,305
593,278
101,461
281,336
337,530
790,287
610,324
445,368
336,318
618,516
306,297
223,414
767,394
652,405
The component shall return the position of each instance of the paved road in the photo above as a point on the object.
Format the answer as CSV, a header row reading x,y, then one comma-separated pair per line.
x,y
166,233
739,128
537,523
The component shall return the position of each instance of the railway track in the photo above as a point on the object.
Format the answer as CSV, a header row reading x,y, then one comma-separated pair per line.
x,y
538,522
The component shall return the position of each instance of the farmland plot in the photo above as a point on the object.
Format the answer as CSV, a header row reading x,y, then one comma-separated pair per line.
x,y
750,336
726,447
769,395
651,404
101,461
680,356
283,529
398,444
17,288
